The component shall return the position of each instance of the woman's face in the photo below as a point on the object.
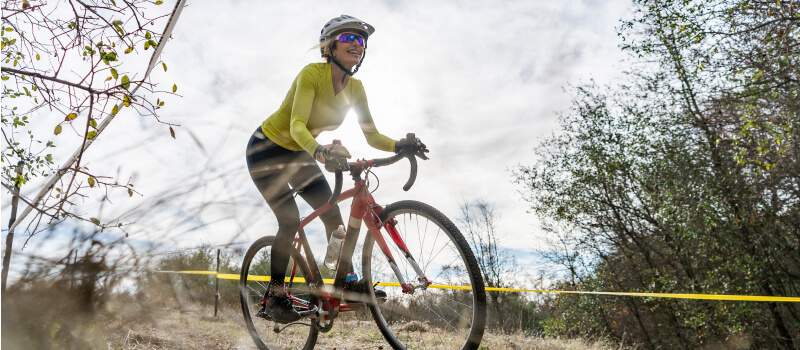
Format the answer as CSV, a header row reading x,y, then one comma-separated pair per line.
x,y
349,53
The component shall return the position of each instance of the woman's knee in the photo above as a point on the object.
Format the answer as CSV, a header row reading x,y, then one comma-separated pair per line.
x,y
288,225
333,214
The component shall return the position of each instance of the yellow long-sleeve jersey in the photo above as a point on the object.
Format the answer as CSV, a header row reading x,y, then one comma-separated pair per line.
x,y
311,107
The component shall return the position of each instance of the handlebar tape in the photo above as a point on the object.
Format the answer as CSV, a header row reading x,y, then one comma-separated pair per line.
x,y
337,190
413,159
413,176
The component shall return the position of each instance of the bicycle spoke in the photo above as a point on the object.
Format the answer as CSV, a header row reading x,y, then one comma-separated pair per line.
x,y
431,241
255,272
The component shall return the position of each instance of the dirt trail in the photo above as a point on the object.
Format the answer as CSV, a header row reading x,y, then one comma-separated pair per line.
x,y
194,327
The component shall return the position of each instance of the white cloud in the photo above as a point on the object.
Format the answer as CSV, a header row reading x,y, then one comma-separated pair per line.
x,y
478,81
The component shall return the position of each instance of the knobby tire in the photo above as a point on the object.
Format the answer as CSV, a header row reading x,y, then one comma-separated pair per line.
x,y
424,320
251,292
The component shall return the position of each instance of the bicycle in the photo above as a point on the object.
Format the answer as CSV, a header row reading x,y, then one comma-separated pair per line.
x,y
435,290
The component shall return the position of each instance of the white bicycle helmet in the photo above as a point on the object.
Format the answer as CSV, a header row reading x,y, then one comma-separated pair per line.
x,y
341,24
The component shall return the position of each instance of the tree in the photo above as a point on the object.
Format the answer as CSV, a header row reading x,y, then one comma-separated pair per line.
x,y
499,266
67,61
684,179
71,58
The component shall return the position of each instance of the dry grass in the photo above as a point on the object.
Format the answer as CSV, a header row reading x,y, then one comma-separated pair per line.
x,y
46,318
195,328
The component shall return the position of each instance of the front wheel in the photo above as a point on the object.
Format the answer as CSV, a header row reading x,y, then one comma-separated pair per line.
x,y
449,314
253,283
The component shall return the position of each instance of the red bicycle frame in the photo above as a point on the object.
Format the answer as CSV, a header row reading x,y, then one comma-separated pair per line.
x,y
363,209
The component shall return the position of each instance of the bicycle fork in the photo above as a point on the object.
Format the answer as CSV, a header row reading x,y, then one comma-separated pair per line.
x,y
372,221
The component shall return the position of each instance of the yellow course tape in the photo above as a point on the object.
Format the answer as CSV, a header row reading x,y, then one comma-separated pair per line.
x,y
228,276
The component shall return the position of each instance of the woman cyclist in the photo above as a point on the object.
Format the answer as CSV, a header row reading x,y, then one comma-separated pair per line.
x,y
283,152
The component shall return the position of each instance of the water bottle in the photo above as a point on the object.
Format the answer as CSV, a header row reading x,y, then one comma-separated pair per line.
x,y
334,247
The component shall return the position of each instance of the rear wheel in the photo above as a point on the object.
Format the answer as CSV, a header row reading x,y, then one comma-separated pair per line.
x,y
451,313
253,283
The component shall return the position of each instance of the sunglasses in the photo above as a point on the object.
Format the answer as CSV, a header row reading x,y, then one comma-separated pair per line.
x,y
350,37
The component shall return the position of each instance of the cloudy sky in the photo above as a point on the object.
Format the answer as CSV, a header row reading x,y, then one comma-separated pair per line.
x,y
480,82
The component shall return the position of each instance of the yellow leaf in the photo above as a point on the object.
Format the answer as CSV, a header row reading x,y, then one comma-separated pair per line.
x,y
70,117
95,221
58,130
164,65
174,88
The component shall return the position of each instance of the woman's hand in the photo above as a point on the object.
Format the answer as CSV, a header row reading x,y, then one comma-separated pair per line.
x,y
334,150
413,146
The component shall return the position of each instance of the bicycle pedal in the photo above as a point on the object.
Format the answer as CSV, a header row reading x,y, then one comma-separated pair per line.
x,y
262,314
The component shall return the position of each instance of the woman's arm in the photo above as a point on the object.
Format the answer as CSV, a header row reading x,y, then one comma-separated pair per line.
x,y
374,138
301,111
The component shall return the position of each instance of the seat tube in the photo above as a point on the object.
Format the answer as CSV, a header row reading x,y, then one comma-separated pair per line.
x,y
350,240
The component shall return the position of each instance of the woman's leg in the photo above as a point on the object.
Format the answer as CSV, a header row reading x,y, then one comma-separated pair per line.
x,y
315,190
271,168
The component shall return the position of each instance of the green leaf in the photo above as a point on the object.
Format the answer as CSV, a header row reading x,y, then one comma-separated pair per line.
x,y
93,123
115,110
91,181
114,73
128,50
37,57
174,87
70,117
125,82
164,65
147,35
92,134
171,132
126,101
5,78
9,29
130,192
159,2
95,221
58,130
